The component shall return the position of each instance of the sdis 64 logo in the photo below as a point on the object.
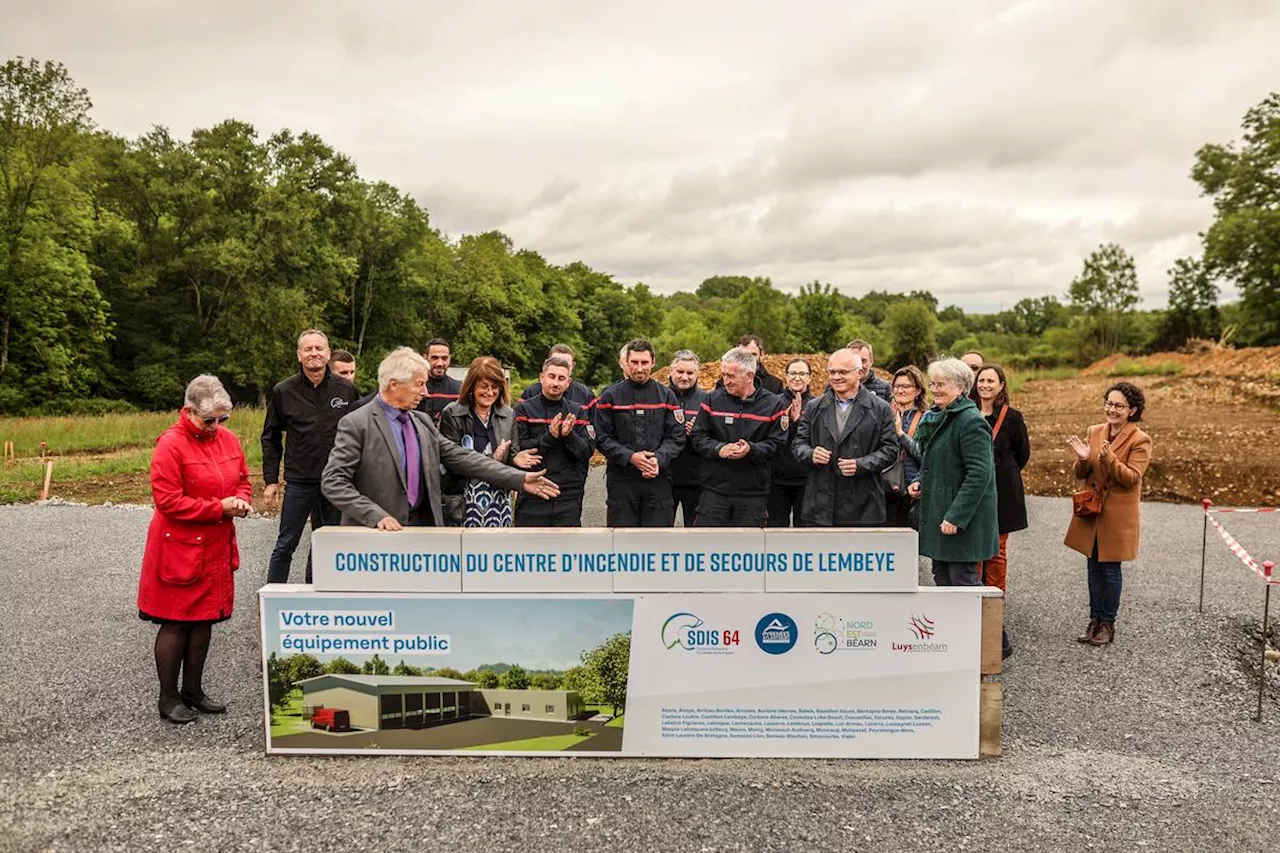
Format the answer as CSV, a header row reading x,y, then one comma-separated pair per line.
x,y
688,632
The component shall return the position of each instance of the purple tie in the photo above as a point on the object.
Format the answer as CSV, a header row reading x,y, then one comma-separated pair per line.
x,y
411,458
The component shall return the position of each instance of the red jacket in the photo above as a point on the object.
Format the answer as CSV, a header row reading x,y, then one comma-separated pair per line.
x,y
191,547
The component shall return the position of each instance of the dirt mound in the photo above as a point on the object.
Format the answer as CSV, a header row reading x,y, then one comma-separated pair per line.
x,y
1255,363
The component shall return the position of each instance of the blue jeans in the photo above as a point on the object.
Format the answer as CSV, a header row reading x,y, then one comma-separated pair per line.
x,y
1105,582
302,502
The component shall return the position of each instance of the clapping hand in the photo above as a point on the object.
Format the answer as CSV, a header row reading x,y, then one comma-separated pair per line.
x,y
793,411
527,459
1080,446
735,450
500,452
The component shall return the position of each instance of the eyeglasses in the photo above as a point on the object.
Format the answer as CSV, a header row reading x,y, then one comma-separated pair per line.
x,y
794,375
1119,407
220,419
901,387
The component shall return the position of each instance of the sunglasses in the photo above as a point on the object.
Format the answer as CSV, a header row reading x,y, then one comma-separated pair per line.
x,y
220,419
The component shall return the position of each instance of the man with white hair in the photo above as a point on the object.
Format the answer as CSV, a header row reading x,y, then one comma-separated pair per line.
x,y
847,438
307,406
738,433
384,470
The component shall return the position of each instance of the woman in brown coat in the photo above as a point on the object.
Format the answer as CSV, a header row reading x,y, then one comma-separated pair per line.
x,y
1112,462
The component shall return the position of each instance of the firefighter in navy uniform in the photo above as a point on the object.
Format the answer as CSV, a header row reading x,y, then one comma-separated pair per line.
x,y
738,434
640,430
790,475
576,393
558,432
685,471
441,388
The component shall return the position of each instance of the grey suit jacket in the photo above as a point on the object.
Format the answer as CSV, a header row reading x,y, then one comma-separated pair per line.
x,y
364,480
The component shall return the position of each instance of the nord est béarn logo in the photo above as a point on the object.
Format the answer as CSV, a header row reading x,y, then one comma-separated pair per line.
x,y
832,633
687,631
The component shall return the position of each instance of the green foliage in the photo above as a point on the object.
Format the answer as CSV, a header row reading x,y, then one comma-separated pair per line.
x,y
375,666
515,678
341,666
303,666
1241,245
279,680
819,313
403,668
487,680
911,328
606,672
1138,368
762,310
1193,305
448,672
1106,292
544,681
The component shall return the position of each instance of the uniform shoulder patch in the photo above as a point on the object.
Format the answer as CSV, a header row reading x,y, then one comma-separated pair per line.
x,y
679,414
786,421
591,431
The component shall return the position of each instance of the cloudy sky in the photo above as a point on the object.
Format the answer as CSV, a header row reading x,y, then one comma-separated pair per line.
x,y
978,149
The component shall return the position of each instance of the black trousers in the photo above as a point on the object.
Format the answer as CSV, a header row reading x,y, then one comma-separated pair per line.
x,y
717,510
639,503
302,503
685,498
561,512
785,504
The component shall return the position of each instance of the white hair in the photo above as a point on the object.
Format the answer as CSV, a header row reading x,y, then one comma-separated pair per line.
x,y
741,357
685,355
205,395
853,354
953,370
401,365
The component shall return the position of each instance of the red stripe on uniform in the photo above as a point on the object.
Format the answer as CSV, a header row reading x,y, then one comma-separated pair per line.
x,y
747,415
630,406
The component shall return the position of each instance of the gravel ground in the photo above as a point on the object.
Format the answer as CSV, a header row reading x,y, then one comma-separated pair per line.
x,y
1148,744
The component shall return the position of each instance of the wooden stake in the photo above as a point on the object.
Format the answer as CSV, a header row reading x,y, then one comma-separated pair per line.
x,y
10,455
48,478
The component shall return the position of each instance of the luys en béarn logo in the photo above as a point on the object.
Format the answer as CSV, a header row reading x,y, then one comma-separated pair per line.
x,y
687,631
923,629
776,633
833,633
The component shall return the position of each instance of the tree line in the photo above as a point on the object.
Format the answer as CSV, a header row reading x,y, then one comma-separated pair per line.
x,y
129,265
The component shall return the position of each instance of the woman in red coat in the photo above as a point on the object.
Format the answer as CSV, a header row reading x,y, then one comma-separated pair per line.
x,y
199,483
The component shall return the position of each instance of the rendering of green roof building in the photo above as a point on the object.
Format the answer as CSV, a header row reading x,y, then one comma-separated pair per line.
x,y
411,701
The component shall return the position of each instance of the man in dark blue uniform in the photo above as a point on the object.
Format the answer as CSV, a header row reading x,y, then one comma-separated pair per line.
x,y
685,471
558,431
441,388
640,429
738,433
577,392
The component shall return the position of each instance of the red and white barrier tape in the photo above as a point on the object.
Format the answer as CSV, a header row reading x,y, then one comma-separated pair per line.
x,y
1242,554
1243,509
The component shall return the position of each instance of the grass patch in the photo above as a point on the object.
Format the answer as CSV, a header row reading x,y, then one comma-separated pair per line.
x,y
22,481
550,743
1018,379
287,720
1138,368
615,723
78,434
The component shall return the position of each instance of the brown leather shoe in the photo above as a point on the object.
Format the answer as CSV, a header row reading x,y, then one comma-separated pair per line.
x,y
1105,634
1087,636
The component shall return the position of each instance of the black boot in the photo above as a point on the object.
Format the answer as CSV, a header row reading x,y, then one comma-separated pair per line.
x,y
203,703
1006,647
176,711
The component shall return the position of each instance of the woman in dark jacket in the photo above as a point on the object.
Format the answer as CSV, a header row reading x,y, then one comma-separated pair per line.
x,y
199,483
482,420
909,406
786,499
1012,451
957,484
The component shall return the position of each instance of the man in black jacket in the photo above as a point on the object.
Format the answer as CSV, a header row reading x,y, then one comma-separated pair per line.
x,y
558,431
685,471
441,388
754,344
640,430
847,438
738,433
869,379
307,406
577,392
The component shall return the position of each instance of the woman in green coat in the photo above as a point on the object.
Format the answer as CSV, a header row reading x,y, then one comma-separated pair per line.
x,y
957,480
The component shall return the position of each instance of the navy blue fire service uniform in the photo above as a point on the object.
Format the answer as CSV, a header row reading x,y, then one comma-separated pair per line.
x,y
566,461
786,498
735,492
630,418
686,470
440,393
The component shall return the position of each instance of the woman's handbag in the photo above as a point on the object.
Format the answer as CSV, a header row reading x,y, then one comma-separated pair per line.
x,y
1087,502
894,477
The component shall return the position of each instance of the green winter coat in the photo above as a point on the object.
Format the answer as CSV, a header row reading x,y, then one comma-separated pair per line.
x,y
957,483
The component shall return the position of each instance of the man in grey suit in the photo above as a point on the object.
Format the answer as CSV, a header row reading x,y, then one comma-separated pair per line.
x,y
367,477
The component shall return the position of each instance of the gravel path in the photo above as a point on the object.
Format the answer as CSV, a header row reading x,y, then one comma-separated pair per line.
x,y
1148,744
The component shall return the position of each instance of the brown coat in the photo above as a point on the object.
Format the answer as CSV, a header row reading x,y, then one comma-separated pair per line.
x,y
1118,473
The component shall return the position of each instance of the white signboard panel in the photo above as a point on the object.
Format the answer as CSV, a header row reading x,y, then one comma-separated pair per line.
x,y
817,559
361,559
537,559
